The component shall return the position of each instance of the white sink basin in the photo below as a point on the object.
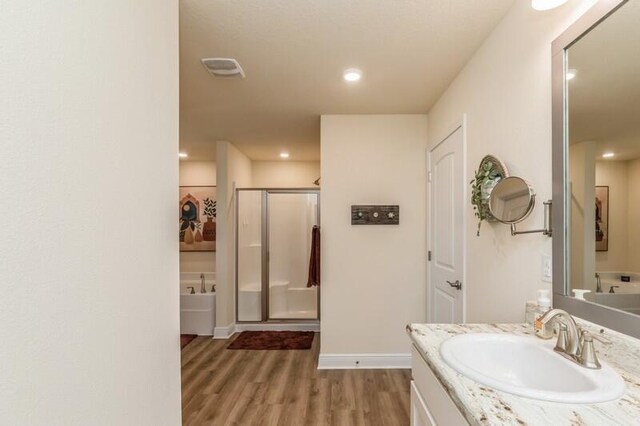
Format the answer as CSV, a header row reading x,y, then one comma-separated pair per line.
x,y
528,366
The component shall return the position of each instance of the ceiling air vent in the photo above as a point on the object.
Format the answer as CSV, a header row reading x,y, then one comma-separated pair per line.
x,y
223,67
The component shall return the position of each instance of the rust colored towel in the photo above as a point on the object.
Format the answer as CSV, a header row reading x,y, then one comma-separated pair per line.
x,y
314,262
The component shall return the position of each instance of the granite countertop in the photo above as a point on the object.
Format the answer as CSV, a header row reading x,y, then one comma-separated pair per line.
x,y
482,405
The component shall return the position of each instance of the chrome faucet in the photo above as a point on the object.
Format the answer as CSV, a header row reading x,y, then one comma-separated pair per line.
x,y
598,283
203,289
573,342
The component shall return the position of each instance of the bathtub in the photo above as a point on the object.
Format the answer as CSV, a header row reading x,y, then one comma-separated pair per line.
x,y
626,296
629,302
610,279
197,313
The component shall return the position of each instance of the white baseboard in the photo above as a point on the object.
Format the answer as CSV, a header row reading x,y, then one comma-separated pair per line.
x,y
364,361
224,332
227,332
301,326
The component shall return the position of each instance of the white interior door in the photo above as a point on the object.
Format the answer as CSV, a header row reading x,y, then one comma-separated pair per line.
x,y
446,230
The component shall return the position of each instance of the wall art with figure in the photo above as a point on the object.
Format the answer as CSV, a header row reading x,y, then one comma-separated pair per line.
x,y
197,218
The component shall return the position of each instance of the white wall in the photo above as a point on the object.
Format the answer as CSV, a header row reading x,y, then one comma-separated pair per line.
x,y
197,173
373,277
285,174
634,213
233,171
89,131
614,174
505,89
582,182
623,179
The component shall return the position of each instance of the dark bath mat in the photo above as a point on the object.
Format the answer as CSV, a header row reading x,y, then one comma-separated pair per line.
x,y
273,340
185,339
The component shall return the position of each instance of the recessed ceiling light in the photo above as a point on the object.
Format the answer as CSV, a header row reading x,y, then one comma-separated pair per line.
x,y
608,155
352,75
546,4
571,74
284,155
183,155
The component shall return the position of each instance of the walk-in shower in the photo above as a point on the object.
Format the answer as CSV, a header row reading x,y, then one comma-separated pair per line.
x,y
273,247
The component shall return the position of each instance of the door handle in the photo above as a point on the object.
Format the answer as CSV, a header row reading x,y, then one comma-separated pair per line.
x,y
457,285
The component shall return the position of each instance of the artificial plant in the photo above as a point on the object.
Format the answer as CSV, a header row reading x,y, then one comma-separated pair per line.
x,y
485,179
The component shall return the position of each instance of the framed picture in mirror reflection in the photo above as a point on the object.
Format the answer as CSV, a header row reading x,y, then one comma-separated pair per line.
x,y
602,218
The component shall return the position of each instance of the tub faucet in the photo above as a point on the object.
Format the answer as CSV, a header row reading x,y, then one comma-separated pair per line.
x,y
612,289
573,342
192,291
203,289
598,283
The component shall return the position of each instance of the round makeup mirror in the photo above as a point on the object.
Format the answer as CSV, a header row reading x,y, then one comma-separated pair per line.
x,y
512,200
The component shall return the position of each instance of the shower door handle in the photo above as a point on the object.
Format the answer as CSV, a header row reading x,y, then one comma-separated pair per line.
x,y
457,284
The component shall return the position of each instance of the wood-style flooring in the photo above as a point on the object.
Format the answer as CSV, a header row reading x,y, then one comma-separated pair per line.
x,y
250,387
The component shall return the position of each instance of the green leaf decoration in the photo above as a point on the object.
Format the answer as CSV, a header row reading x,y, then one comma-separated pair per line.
x,y
485,177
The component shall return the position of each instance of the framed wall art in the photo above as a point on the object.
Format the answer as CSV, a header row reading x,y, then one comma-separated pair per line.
x,y
197,218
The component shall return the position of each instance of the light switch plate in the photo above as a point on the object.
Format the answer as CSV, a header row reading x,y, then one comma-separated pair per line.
x,y
547,268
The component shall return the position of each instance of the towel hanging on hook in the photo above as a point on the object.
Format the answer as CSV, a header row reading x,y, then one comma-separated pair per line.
x,y
314,261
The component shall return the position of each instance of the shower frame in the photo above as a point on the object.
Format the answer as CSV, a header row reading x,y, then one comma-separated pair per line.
x,y
264,227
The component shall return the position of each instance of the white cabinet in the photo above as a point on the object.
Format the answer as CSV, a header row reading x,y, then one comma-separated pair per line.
x,y
430,403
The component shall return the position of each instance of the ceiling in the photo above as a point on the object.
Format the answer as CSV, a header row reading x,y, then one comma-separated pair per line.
x,y
605,94
294,53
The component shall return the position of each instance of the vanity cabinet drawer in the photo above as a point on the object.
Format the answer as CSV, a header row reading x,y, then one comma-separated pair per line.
x,y
432,405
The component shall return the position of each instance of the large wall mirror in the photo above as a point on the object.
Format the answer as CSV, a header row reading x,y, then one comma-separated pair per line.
x,y
597,166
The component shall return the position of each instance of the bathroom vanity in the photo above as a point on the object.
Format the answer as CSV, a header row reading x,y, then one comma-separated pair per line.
x,y
442,396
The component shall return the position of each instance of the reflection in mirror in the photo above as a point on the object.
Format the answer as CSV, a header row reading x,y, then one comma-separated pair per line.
x,y
603,89
512,199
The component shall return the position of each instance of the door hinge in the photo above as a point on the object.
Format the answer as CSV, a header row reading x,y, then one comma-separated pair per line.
x,y
429,255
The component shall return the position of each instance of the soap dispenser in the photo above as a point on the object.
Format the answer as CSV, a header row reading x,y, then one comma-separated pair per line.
x,y
543,305
535,309
544,301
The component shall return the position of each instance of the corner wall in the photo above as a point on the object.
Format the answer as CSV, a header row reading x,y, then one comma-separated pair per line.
x,y
615,175
582,184
233,171
634,213
505,90
373,277
89,149
623,180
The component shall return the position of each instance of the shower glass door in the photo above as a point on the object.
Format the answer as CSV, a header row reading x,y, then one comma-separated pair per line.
x,y
291,217
249,254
